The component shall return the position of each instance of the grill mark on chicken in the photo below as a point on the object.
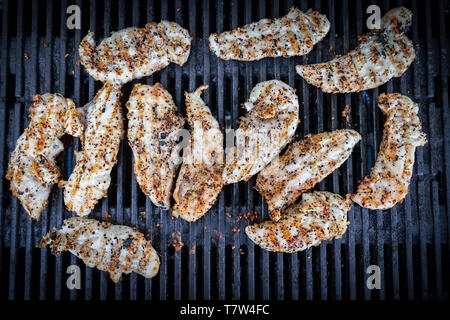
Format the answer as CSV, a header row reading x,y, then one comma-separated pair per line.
x,y
153,128
380,56
91,177
264,131
32,168
305,163
294,34
115,249
200,179
320,215
390,177
133,53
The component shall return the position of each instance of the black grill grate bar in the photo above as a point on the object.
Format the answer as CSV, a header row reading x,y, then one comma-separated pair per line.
x,y
134,187
3,81
351,270
206,97
264,267
445,105
149,209
250,205
279,289
423,190
163,213
433,134
62,90
320,125
394,218
17,117
179,101
221,118
76,143
306,257
293,259
29,223
236,283
192,226
88,282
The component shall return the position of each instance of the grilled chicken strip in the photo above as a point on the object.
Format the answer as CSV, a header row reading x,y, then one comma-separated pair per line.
x,y
90,179
32,169
390,177
200,179
380,56
319,216
153,129
304,164
267,128
295,34
133,53
112,248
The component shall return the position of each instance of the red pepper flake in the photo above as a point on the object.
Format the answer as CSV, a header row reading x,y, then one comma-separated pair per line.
x,y
228,214
234,229
45,44
214,79
26,56
66,55
177,243
192,251
178,9
241,251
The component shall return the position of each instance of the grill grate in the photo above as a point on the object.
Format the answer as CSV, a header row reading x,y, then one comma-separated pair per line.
x,y
410,243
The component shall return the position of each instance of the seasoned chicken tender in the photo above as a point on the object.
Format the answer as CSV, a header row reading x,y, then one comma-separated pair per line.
x,y
200,179
112,248
264,131
305,163
294,34
32,169
390,177
153,130
319,216
380,56
133,53
91,177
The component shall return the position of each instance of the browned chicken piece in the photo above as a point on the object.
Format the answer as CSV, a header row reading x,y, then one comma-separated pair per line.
x,y
112,248
154,127
133,53
319,216
390,177
294,34
305,163
380,56
268,126
200,179
91,177
32,169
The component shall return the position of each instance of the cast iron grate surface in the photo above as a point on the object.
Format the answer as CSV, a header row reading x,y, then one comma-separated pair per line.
x,y
410,243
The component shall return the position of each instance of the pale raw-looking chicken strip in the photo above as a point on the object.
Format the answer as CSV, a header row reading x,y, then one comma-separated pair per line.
x,y
390,177
319,216
200,179
133,53
294,34
380,56
115,249
305,163
32,169
264,131
91,177
153,130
